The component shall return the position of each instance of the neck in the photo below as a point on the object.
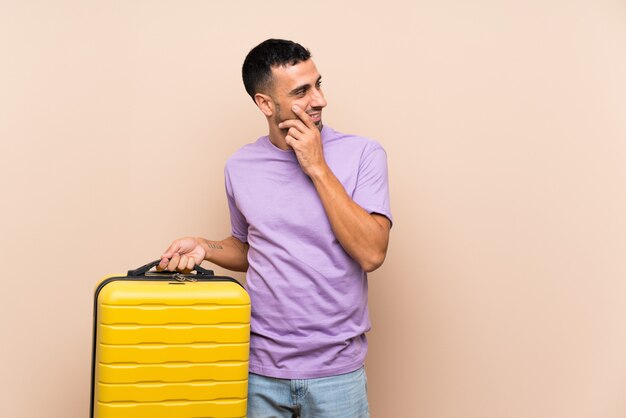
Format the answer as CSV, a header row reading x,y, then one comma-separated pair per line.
x,y
277,137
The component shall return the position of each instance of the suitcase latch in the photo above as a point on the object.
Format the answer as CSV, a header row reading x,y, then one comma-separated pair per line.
x,y
182,278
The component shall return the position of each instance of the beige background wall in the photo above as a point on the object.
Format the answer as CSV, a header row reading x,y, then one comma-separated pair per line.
x,y
503,295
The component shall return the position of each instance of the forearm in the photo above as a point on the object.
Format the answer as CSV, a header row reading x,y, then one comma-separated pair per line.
x,y
362,235
230,253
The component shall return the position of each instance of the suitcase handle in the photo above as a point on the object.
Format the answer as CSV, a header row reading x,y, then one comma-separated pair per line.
x,y
141,271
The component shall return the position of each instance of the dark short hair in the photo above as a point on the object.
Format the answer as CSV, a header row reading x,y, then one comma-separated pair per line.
x,y
257,67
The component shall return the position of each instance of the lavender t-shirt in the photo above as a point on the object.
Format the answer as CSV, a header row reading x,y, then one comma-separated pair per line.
x,y
309,297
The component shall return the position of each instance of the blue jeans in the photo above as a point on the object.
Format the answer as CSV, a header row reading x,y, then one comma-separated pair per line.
x,y
342,396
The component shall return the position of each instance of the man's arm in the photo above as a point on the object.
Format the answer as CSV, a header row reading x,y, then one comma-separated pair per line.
x,y
184,253
363,235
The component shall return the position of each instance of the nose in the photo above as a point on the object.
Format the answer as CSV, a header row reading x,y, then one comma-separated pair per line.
x,y
317,98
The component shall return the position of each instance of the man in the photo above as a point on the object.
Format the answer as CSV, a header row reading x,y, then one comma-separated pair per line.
x,y
310,215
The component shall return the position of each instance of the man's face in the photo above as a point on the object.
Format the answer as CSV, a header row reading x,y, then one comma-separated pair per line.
x,y
300,85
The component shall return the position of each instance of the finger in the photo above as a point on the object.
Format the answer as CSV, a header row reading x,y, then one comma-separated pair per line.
x,y
182,263
163,264
295,133
304,117
291,141
172,249
296,124
191,263
173,262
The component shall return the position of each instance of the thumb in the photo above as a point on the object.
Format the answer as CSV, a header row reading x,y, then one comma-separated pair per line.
x,y
172,249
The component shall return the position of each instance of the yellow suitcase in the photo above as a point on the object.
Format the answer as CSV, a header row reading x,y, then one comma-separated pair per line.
x,y
170,346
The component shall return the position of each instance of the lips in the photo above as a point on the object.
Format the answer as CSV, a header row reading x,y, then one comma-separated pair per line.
x,y
315,116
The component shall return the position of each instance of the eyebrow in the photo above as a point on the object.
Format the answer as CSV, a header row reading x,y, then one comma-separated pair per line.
x,y
304,88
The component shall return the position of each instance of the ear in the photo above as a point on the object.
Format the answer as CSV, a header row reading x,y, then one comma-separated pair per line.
x,y
265,103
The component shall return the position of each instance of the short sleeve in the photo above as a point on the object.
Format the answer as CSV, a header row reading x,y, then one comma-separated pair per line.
x,y
238,222
372,187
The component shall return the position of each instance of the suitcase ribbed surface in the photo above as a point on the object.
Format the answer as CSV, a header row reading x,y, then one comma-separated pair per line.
x,y
171,349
